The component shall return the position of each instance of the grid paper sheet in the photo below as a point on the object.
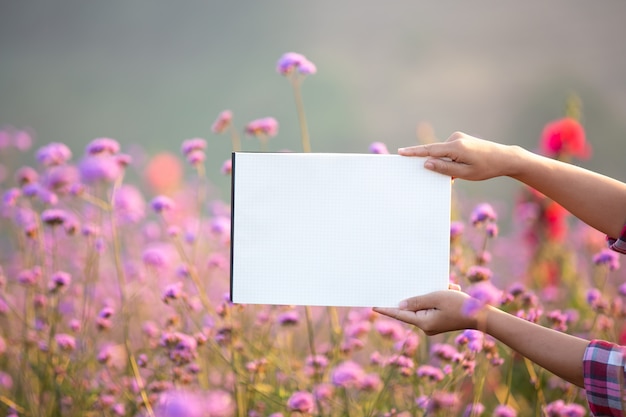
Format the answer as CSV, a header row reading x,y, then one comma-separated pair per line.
x,y
354,230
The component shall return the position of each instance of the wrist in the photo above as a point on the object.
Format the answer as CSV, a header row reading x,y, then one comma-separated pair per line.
x,y
518,161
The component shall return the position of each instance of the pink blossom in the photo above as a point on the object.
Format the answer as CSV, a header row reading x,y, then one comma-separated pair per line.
x,y
607,257
288,318
196,157
129,204
430,372
456,229
504,411
391,329
444,351
291,62
474,409
53,154
223,122
26,175
10,197
371,382
162,203
60,178
192,145
265,127
347,374
102,146
478,273
65,341
378,148
227,167
100,168
59,280
301,401
53,217
483,213
172,292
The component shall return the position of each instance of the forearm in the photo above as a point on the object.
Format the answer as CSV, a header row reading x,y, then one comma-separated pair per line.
x,y
560,353
597,200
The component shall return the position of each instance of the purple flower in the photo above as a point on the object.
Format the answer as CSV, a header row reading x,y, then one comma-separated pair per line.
x,y
444,351
196,157
504,411
471,307
102,146
315,364
10,197
59,280
347,374
371,382
492,230
390,329
485,292
26,175
172,292
438,400
53,154
607,257
223,122
378,148
157,256
265,127
227,167
192,145
100,168
301,401
219,403
483,213
475,409
292,62
559,408
593,296
478,273
129,204
65,341
29,276
161,204
60,178
456,229
288,318
180,403
473,339
53,217
430,372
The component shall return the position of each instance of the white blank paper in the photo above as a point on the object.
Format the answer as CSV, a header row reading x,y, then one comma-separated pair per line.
x,y
361,230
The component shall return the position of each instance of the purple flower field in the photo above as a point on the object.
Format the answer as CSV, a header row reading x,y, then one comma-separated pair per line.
x,y
114,296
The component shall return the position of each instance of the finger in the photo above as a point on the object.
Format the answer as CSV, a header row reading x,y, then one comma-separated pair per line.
x,y
437,150
421,302
455,287
402,315
446,167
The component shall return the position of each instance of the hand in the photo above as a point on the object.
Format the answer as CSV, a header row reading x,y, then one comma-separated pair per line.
x,y
467,157
434,313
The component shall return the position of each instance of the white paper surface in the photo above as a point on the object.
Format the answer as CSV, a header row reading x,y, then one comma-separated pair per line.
x,y
362,230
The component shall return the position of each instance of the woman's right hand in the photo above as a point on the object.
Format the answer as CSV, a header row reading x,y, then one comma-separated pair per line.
x,y
464,156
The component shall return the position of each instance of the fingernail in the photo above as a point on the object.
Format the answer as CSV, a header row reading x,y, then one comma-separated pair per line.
x,y
403,305
429,165
401,149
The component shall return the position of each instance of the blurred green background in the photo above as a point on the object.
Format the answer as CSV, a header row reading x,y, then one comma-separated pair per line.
x,y
156,72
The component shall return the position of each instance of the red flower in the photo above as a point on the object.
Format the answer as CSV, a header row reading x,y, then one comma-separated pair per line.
x,y
565,137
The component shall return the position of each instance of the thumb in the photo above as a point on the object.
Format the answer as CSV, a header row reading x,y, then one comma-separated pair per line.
x,y
446,167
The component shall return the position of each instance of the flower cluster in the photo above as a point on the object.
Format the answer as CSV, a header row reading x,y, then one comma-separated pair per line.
x,y
112,301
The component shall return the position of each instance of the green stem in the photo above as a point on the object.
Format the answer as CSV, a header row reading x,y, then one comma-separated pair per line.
x,y
304,131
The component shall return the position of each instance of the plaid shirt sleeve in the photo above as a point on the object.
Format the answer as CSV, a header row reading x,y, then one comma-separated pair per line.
x,y
604,373
619,244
